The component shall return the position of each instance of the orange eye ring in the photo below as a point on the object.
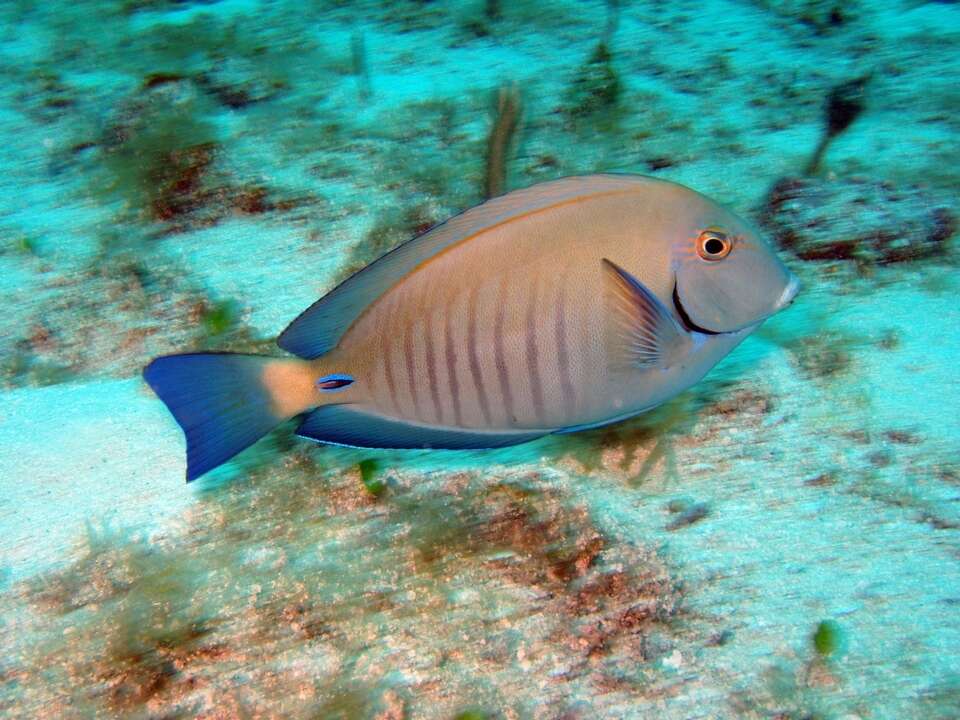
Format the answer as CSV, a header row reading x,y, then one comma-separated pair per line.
x,y
713,245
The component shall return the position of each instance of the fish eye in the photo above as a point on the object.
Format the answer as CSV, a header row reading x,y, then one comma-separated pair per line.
x,y
713,245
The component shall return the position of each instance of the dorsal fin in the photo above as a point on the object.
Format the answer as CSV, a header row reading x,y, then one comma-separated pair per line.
x,y
319,328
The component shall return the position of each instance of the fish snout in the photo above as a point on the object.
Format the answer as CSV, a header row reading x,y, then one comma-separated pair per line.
x,y
789,292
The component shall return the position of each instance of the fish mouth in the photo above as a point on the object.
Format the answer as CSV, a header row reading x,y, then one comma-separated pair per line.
x,y
789,292
685,319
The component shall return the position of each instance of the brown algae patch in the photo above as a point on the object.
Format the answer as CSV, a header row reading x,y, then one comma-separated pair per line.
x,y
105,320
303,594
646,448
163,158
824,355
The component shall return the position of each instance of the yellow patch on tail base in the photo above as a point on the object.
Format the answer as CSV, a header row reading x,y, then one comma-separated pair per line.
x,y
290,384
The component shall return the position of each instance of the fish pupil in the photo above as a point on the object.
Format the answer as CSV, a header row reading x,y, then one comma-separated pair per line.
x,y
713,246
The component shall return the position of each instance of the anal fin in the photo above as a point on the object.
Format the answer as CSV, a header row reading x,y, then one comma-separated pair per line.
x,y
352,427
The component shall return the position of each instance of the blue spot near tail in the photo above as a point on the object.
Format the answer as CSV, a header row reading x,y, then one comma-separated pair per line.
x,y
333,383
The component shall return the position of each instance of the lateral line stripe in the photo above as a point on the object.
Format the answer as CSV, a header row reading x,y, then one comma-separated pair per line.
x,y
529,213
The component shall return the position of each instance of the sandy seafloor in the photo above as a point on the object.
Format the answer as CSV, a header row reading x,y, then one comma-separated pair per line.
x,y
182,175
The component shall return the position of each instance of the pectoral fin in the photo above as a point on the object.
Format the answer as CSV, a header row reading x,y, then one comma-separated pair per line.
x,y
643,331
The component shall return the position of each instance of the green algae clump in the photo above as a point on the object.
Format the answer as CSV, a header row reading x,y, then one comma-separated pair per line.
x,y
471,715
596,86
220,317
828,639
159,151
369,474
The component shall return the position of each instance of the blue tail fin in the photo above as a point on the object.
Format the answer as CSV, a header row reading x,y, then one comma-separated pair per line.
x,y
219,400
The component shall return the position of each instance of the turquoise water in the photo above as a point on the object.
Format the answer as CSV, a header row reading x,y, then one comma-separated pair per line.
x,y
781,540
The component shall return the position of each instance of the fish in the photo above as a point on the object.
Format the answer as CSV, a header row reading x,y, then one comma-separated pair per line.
x,y
564,306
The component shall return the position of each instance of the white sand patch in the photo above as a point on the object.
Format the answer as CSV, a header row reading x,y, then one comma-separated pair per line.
x,y
77,454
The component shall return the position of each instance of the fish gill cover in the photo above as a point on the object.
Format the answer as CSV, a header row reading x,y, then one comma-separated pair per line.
x,y
778,541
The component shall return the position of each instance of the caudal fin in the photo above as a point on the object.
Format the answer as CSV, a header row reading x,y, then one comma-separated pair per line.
x,y
221,400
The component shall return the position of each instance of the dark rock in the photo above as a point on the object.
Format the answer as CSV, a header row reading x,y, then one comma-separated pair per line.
x,y
237,83
693,514
857,219
659,163
156,79
823,17
822,480
719,639
902,437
